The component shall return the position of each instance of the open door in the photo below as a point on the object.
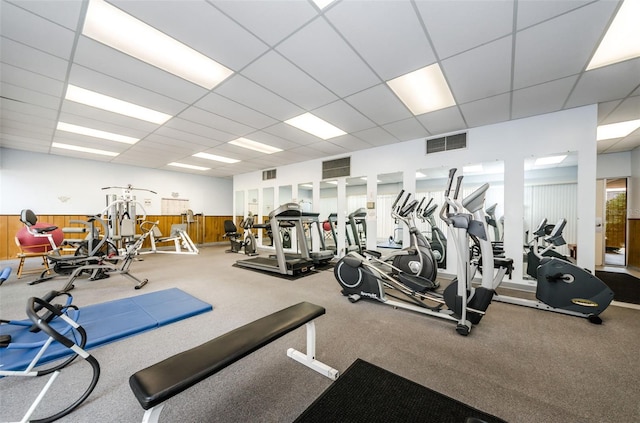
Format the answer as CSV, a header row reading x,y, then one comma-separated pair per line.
x,y
615,222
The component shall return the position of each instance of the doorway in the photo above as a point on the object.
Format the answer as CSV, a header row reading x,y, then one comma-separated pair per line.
x,y
615,222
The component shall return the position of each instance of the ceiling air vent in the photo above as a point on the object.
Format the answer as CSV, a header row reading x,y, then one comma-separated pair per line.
x,y
450,142
336,168
268,174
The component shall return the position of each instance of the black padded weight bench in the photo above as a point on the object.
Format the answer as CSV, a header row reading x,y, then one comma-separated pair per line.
x,y
156,384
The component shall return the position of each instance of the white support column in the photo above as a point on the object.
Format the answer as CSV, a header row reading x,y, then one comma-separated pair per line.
x,y
308,359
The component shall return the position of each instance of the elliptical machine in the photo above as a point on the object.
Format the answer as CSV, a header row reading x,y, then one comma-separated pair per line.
x,y
459,302
417,258
438,240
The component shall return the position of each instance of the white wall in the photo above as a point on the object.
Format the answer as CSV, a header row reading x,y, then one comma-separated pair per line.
x,y
511,142
633,189
50,184
614,165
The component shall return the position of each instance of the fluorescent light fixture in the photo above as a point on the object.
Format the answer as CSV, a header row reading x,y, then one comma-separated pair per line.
x,y
424,90
617,130
543,161
67,127
315,126
621,40
83,149
332,182
420,175
188,166
472,169
255,145
307,185
215,158
322,3
111,104
111,26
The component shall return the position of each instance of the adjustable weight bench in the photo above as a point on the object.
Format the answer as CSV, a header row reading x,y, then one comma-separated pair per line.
x,y
156,384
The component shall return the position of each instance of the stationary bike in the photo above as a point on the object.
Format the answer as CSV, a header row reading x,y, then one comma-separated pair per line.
x,y
236,239
562,286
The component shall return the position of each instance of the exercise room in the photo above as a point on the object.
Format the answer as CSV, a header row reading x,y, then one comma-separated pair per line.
x,y
319,211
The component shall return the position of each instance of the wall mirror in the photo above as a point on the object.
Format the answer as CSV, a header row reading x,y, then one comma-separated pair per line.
x,y
328,210
430,185
285,195
356,214
389,234
267,207
239,207
252,202
550,192
305,196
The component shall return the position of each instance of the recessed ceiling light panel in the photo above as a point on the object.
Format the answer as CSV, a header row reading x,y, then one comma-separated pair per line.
x,y
254,145
622,40
187,166
617,130
111,26
315,126
215,158
424,90
67,127
83,149
111,104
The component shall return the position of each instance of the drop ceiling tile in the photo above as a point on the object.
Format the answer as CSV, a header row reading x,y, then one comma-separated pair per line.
x,y
628,109
202,27
455,27
533,12
328,148
376,137
101,125
491,75
185,146
607,83
333,63
350,143
443,121
234,111
270,21
232,152
123,90
252,95
33,60
35,120
406,130
25,143
194,114
42,34
388,35
28,96
65,13
207,132
541,55
605,109
291,133
379,104
273,139
487,111
80,155
542,98
344,116
98,57
277,74
27,128
33,81
179,136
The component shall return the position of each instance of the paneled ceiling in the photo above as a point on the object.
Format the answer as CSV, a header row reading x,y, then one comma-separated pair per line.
x,y
502,59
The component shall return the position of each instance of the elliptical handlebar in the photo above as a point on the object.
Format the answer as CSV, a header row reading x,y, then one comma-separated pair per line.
x,y
395,203
445,206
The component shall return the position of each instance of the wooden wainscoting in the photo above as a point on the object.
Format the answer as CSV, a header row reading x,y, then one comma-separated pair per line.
x,y
633,249
209,230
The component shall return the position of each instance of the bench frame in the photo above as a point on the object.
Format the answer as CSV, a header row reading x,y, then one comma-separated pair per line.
x,y
152,415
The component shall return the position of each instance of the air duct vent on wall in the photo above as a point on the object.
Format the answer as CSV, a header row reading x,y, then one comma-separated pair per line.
x,y
450,142
268,174
336,168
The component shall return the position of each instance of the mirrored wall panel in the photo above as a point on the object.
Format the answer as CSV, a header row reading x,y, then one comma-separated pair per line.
x,y
550,198
389,233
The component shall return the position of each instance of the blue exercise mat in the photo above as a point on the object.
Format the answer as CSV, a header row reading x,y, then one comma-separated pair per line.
x,y
107,322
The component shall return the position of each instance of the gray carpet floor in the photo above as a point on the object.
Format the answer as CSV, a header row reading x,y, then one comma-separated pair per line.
x,y
520,364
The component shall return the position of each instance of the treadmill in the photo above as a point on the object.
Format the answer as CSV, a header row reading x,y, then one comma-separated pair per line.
x,y
285,215
323,256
